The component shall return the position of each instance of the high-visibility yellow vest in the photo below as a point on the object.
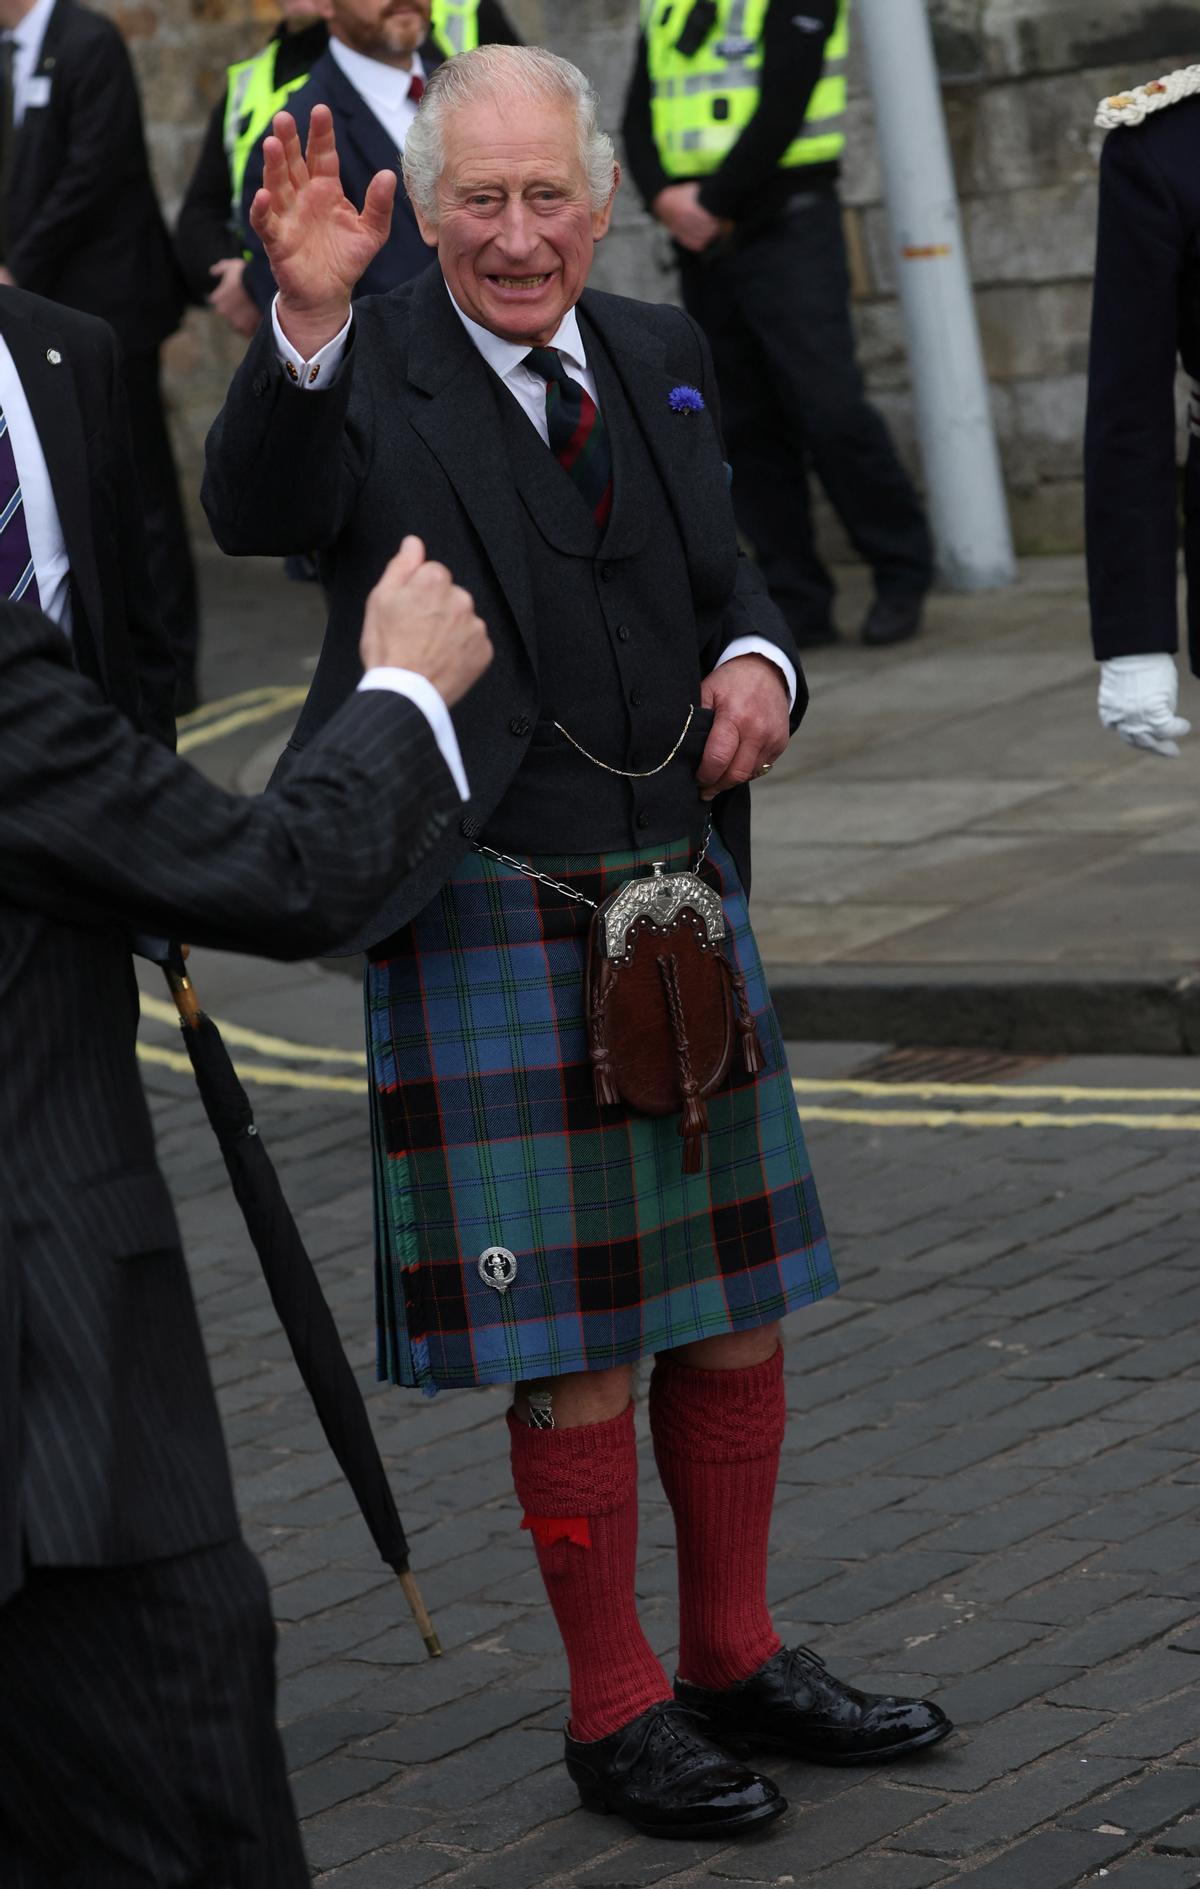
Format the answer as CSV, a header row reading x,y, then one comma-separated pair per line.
x,y
701,105
252,96
455,25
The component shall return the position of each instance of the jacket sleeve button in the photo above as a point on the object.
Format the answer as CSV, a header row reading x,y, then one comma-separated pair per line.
x,y
520,725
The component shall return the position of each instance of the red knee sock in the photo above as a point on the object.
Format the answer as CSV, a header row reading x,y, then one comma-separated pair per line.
x,y
579,1492
717,1438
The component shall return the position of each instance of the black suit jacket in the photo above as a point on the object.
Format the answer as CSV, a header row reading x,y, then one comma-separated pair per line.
x,y
110,1448
1146,313
409,438
78,408
364,148
81,221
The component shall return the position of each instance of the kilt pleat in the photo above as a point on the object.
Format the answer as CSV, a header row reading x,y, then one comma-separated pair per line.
x,y
486,1132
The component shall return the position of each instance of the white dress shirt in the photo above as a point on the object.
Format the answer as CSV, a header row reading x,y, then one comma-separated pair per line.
x,y
384,88
46,543
506,359
27,46
421,692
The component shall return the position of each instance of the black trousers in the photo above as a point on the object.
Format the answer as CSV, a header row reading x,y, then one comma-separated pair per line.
x,y
167,546
775,305
137,1730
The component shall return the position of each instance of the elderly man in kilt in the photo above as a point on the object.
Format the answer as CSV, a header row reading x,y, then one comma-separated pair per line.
x,y
559,450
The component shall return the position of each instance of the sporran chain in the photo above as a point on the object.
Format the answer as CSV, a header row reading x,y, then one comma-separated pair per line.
x,y
556,885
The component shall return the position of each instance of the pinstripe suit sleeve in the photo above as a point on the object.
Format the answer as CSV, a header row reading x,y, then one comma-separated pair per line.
x,y
99,824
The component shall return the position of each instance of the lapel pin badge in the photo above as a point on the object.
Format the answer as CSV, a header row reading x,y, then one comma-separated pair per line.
x,y
54,357
497,1267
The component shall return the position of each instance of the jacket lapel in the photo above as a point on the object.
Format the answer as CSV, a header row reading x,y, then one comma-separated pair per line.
x,y
452,405
49,387
358,127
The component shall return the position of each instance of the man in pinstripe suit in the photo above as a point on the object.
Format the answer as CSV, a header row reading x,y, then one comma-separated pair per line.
x,y
137,1735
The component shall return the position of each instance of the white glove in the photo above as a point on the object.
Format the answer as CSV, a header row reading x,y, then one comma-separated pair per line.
x,y
1138,697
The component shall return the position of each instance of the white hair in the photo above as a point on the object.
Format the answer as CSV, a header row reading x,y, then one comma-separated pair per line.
x,y
504,73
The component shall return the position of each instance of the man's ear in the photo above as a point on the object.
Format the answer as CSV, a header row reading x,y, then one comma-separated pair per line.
x,y
602,219
429,231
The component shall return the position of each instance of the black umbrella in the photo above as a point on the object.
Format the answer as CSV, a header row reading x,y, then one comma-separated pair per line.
x,y
295,1290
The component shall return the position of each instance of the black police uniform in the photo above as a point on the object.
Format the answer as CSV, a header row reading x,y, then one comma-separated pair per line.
x,y
1146,315
774,301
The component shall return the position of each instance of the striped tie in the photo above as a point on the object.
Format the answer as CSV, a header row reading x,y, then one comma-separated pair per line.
x,y
578,435
17,579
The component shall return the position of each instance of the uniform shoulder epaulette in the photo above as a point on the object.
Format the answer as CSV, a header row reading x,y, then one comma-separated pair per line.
x,y
1130,108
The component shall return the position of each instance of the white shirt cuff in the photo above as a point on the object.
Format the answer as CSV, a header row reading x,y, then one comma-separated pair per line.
x,y
317,373
758,646
420,691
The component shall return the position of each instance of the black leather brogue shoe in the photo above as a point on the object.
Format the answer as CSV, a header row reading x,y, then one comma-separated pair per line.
x,y
891,621
661,1774
794,1704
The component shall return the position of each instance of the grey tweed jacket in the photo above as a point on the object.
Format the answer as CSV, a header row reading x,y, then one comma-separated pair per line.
x,y
110,1445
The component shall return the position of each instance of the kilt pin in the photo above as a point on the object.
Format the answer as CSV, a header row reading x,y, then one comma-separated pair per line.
x,y
486,1133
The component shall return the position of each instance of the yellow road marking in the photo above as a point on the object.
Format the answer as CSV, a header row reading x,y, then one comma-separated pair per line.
x,y
162,1012
264,1073
209,711
988,1118
276,703
1012,1092
271,1076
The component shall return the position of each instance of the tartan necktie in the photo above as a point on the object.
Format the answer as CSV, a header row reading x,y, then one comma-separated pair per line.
x,y
578,435
17,578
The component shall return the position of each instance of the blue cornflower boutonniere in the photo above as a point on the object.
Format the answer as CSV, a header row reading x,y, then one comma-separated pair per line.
x,y
686,400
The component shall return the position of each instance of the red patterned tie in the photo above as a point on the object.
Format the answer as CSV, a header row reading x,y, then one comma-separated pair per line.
x,y
416,89
578,435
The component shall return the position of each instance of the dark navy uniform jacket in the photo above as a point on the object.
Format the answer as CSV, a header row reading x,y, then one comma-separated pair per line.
x,y
1146,315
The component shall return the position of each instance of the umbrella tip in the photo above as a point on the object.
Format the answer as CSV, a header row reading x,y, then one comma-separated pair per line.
x,y
433,1645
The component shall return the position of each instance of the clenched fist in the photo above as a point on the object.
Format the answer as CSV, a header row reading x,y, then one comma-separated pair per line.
x,y
418,618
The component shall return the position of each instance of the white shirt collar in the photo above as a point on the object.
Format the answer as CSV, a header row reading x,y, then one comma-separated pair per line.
x,y
504,357
31,31
371,77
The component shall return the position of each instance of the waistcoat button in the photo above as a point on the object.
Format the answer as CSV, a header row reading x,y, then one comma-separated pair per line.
x,y
623,633
643,821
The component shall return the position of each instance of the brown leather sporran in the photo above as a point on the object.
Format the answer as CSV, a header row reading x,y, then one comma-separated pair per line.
x,y
665,1004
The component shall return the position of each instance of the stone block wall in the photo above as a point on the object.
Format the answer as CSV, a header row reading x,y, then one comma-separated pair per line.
x,y
1021,79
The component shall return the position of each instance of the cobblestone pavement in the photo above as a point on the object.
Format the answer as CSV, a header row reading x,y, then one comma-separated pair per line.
x,y
989,1491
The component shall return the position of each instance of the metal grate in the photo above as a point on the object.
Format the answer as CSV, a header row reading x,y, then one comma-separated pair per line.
x,y
947,1065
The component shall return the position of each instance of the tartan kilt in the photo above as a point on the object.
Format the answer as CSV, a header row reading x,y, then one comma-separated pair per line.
x,y
486,1132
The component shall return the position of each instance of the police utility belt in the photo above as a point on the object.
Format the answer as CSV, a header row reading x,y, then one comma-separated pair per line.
x,y
664,1002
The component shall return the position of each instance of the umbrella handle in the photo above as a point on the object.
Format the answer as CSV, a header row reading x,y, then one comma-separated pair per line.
x,y
186,1001
420,1614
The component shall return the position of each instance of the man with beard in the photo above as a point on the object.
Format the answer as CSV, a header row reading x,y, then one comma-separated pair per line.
x,y
372,77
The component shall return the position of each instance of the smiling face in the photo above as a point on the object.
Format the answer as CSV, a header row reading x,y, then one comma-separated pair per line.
x,y
515,230
387,30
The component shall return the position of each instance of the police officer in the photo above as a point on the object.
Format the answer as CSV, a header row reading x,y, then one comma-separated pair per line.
x,y
210,241
1146,315
734,128
372,78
